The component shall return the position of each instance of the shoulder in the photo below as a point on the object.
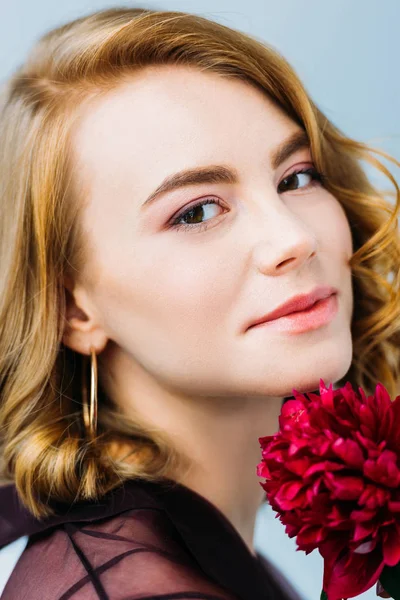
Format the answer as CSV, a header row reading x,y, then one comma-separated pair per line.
x,y
134,554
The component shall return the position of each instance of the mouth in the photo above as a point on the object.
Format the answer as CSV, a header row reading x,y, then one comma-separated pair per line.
x,y
296,304
315,316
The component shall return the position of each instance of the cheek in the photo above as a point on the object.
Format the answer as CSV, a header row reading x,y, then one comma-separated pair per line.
x,y
336,241
344,231
330,223
155,291
166,311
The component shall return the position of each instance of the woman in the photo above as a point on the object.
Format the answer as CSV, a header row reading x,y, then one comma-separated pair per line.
x,y
167,184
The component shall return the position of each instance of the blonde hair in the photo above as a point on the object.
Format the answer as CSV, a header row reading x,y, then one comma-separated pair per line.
x,y
43,446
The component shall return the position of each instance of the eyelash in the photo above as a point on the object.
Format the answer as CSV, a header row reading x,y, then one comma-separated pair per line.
x,y
317,178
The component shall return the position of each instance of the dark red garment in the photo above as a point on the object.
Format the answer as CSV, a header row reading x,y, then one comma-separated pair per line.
x,y
142,541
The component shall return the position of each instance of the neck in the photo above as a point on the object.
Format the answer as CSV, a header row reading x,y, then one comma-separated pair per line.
x,y
217,435
225,451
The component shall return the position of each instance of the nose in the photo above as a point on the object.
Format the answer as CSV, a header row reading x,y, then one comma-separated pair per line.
x,y
285,241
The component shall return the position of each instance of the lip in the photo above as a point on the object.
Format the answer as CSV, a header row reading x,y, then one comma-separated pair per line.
x,y
295,304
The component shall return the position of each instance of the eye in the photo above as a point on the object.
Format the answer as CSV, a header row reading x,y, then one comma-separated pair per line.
x,y
309,176
194,213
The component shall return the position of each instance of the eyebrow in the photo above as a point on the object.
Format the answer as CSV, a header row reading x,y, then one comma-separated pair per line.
x,y
222,174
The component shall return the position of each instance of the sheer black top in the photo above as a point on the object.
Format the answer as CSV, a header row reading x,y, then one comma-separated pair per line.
x,y
142,541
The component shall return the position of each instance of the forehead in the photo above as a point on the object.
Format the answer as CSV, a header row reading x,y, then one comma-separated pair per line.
x,y
165,118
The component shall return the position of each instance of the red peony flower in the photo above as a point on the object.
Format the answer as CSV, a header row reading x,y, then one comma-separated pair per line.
x,y
332,475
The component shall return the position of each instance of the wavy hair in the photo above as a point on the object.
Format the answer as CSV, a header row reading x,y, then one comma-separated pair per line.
x,y
43,447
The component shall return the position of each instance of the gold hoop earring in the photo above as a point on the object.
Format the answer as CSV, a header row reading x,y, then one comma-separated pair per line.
x,y
90,415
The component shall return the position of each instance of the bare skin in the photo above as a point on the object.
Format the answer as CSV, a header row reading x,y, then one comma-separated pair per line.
x,y
166,308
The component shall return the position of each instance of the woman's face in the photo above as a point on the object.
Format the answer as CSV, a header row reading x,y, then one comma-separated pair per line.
x,y
173,286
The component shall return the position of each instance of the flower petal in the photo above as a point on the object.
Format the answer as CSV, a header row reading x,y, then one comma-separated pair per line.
x,y
349,451
352,574
346,487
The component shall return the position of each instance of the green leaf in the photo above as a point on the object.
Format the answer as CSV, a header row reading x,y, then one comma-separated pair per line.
x,y
390,579
323,596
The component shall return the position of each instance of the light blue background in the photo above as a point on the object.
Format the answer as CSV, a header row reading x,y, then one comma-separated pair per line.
x,y
347,54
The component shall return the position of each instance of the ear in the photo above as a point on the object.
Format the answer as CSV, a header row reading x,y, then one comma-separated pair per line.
x,y
81,330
